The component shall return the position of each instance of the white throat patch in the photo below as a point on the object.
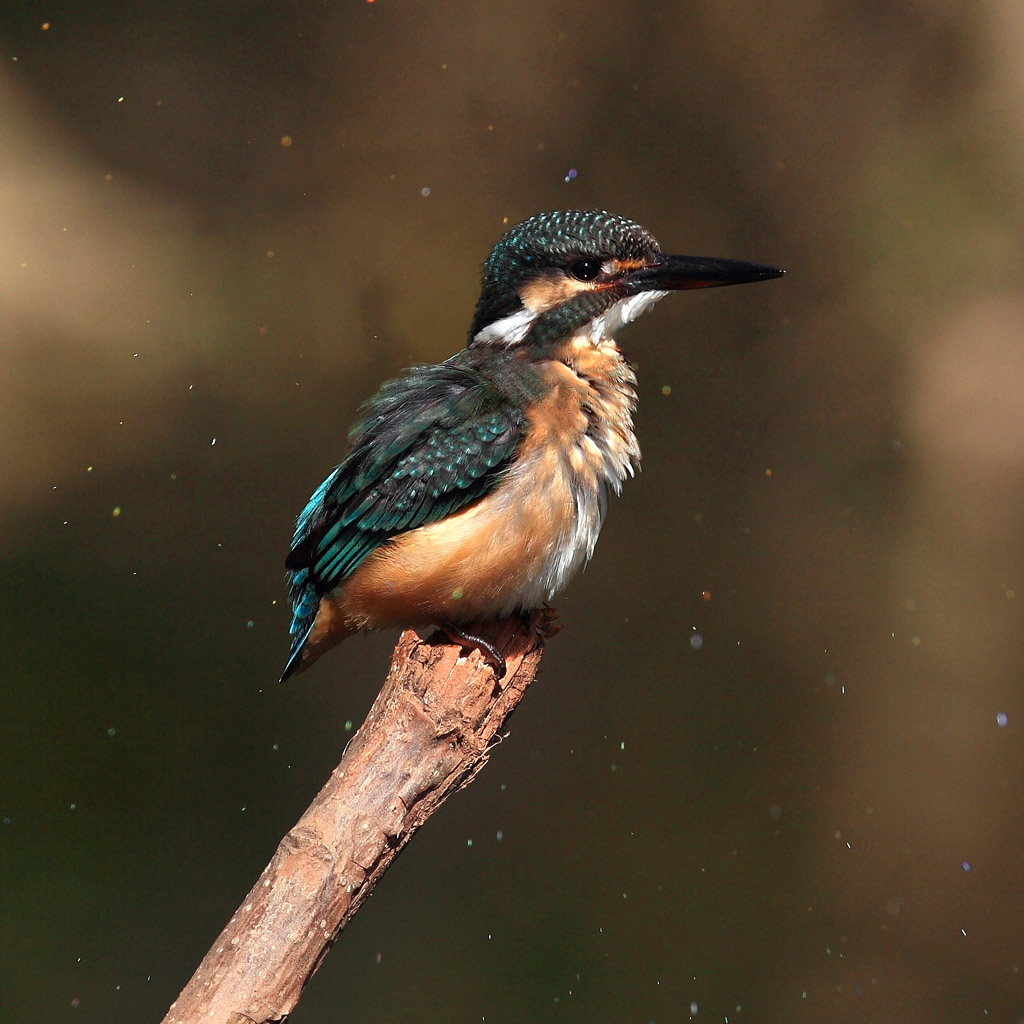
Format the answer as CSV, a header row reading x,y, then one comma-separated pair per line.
x,y
623,312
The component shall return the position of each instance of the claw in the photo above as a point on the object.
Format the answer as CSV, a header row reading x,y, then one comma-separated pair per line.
x,y
491,654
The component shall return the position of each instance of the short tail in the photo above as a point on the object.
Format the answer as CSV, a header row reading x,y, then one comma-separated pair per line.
x,y
296,662
305,602
316,626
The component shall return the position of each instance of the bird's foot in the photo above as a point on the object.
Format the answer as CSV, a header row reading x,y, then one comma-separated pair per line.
x,y
548,621
490,653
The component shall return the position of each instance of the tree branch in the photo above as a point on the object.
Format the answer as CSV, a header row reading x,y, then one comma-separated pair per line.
x,y
428,733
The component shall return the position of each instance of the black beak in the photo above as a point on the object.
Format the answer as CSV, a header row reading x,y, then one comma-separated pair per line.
x,y
675,273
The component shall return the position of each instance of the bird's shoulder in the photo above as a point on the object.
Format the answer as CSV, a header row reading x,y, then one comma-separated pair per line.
x,y
427,443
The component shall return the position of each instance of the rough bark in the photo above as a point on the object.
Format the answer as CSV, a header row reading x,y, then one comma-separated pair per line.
x,y
428,733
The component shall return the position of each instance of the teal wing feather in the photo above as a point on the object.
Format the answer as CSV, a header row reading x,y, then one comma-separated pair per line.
x,y
426,445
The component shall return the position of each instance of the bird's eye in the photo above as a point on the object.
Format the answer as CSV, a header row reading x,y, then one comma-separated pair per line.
x,y
585,270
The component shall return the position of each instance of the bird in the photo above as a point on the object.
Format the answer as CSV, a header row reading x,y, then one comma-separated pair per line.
x,y
476,488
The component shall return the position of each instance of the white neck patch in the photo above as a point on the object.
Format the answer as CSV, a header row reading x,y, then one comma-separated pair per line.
x,y
508,331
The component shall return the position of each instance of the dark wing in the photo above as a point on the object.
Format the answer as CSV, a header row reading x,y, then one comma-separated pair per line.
x,y
426,445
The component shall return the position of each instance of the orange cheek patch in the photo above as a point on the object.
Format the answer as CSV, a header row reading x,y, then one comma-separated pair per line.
x,y
544,293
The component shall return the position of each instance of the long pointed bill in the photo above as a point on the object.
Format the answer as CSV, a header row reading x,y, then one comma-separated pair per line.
x,y
675,273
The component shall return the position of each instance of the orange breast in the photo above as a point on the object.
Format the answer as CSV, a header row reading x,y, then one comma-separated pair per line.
x,y
489,558
520,544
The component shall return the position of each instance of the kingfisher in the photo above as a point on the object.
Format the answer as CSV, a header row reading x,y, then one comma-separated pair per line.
x,y
476,488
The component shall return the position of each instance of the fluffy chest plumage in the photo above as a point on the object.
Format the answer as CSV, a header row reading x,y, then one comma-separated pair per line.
x,y
519,545
581,445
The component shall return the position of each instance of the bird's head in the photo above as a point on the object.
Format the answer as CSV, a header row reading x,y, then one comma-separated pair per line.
x,y
558,274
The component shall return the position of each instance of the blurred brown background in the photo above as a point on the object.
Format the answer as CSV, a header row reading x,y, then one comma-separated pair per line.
x,y
796,801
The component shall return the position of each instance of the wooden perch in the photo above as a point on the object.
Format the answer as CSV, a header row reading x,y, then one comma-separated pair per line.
x,y
428,733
